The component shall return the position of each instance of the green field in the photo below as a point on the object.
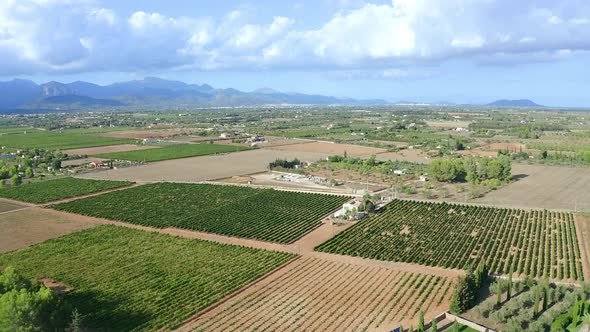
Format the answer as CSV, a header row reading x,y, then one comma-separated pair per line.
x,y
54,140
269,215
53,190
173,152
132,280
535,243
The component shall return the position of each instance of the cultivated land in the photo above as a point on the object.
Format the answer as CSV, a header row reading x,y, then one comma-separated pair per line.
x,y
151,133
55,140
320,295
535,243
32,225
108,149
173,152
155,282
552,187
268,215
331,149
53,190
206,167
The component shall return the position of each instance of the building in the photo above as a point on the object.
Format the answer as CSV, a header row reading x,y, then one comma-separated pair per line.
x,y
350,210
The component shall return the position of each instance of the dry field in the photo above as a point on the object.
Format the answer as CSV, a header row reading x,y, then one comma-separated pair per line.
x,y
322,295
205,167
108,149
416,156
6,206
548,187
332,149
83,161
33,225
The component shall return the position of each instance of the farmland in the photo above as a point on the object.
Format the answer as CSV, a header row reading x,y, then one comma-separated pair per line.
x,y
157,281
108,149
56,140
173,152
53,190
534,243
332,149
320,295
267,215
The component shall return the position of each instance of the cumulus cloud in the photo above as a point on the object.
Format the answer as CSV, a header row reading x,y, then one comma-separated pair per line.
x,y
47,36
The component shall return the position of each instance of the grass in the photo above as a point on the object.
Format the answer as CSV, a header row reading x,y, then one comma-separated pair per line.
x,y
269,215
173,152
132,280
53,190
55,140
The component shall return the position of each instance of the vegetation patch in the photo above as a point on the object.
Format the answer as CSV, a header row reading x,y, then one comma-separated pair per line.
x,y
269,215
130,280
55,140
534,243
53,190
173,152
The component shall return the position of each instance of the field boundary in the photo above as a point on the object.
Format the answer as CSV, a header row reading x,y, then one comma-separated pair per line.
x,y
236,293
580,224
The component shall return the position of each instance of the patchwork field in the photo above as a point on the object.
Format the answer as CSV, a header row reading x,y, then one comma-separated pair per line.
x,y
173,152
535,243
313,294
131,280
202,168
148,133
56,140
331,149
548,187
53,190
33,225
108,149
268,215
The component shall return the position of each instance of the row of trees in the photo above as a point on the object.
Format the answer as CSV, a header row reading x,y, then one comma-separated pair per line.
x,y
472,169
283,163
468,286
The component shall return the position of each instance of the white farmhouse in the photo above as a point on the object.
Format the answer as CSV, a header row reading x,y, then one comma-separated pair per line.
x,y
350,210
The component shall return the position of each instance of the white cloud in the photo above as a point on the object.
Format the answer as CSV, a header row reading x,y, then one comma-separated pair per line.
x,y
68,36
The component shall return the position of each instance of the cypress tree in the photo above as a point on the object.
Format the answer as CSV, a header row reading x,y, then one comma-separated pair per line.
x,y
545,297
421,322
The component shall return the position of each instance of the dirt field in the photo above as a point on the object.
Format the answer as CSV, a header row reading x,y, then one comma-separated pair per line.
x,y
416,156
332,149
204,168
33,225
448,124
6,206
109,149
321,295
548,187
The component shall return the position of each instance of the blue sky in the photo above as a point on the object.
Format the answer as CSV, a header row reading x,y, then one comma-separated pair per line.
x,y
465,51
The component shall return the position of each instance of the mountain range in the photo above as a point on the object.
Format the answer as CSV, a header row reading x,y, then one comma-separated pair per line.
x,y
21,95
151,91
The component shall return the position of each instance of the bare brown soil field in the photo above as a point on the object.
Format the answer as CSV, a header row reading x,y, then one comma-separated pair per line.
x,y
32,225
83,161
582,222
148,133
332,149
503,146
551,187
448,124
6,205
205,167
416,156
477,152
322,295
108,149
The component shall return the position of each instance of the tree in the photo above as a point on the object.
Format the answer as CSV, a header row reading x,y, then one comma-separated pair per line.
x,y
509,286
29,172
463,297
16,180
372,161
536,304
434,327
545,297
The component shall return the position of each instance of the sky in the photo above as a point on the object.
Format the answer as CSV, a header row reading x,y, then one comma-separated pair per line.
x,y
462,51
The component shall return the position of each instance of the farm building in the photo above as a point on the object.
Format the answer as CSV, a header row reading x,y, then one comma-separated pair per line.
x,y
350,210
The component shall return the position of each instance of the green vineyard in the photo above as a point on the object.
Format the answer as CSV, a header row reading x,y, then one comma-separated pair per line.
x,y
131,280
269,215
53,190
534,243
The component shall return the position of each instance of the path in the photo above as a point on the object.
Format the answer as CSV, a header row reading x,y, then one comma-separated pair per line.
x,y
582,223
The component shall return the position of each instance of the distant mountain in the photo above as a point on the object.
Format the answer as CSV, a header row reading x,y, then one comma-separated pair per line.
x,y
151,92
514,103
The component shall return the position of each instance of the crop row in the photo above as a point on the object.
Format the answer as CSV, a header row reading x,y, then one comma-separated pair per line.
x,y
535,243
126,279
269,215
320,295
